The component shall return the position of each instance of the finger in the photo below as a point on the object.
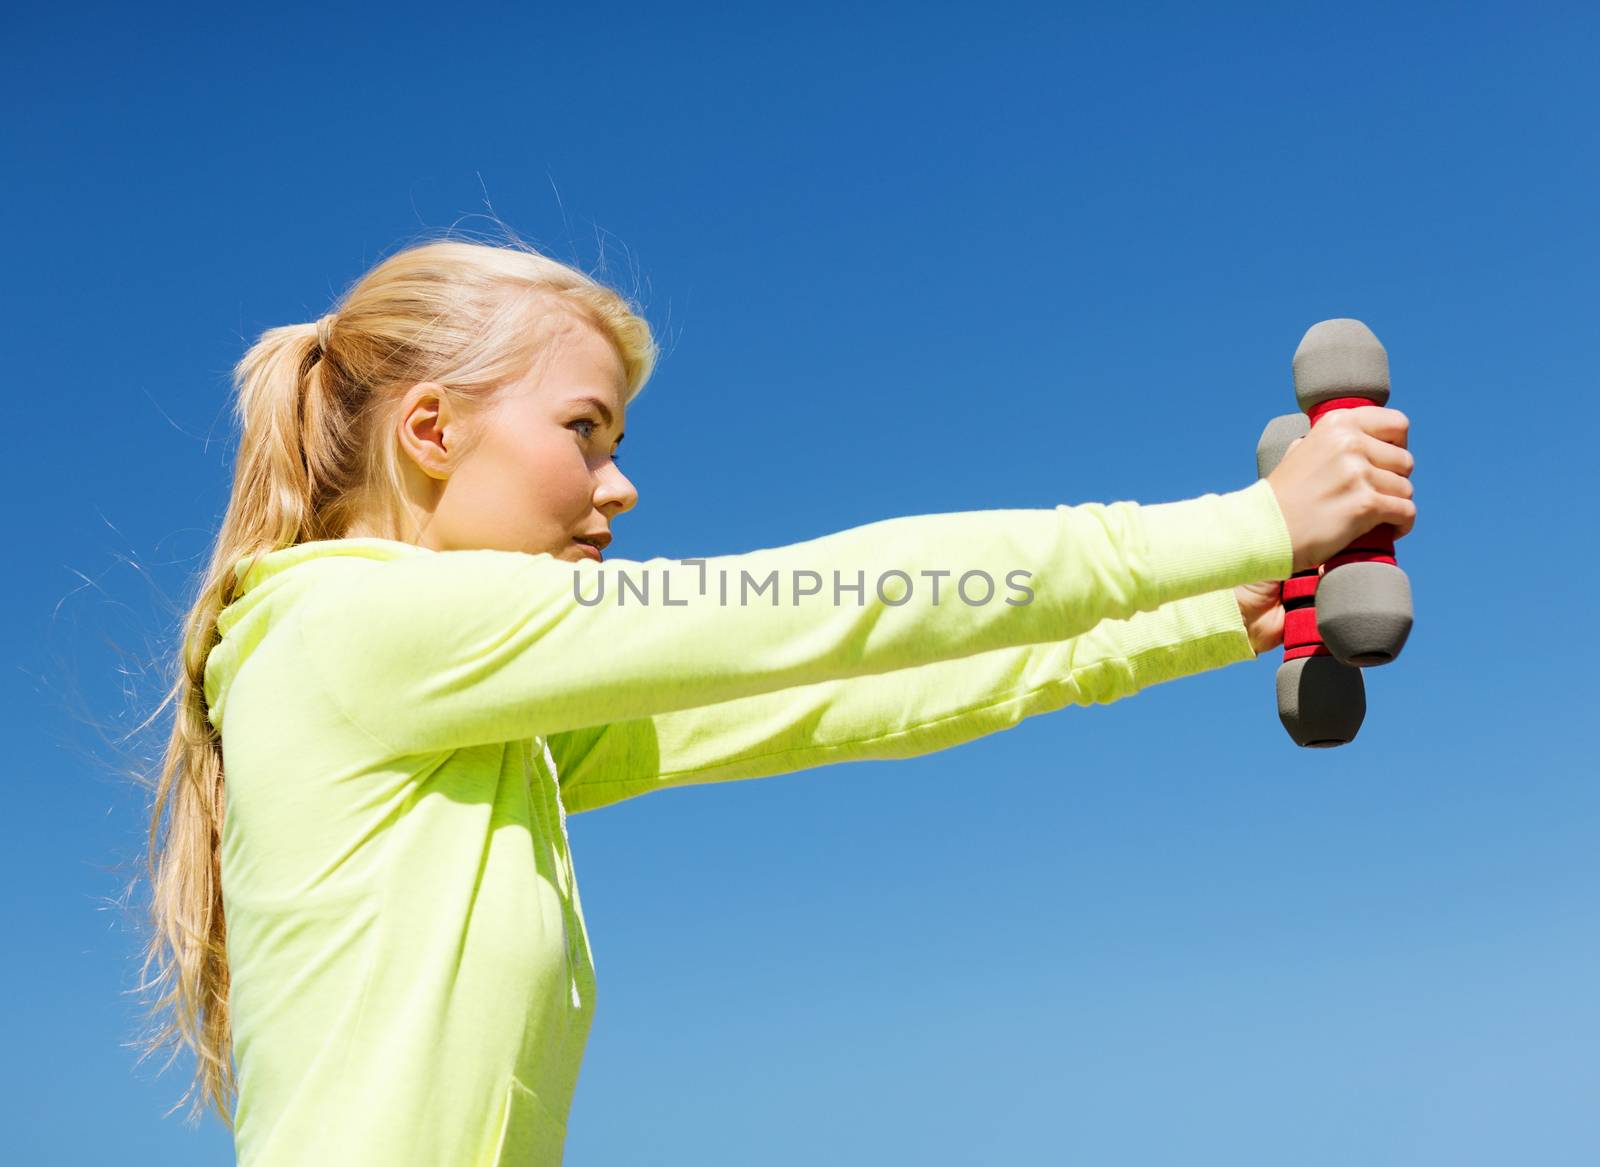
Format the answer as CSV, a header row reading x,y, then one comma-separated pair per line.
x,y
1407,520
1388,456
1390,483
1389,425
1398,512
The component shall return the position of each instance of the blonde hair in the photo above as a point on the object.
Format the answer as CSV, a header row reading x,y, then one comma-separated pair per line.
x,y
316,405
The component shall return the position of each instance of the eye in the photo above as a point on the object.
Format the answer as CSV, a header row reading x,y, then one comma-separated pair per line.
x,y
594,425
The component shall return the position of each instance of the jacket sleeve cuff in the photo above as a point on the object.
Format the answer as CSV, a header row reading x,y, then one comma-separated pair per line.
x,y
1208,633
1215,541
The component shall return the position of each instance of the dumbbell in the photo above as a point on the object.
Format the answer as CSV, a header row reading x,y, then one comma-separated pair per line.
x,y
1363,601
1321,700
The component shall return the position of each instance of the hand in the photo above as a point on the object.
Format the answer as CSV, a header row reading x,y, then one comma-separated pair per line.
x,y
1351,473
1261,606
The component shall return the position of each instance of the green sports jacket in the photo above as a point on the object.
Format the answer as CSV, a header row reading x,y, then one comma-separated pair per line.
x,y
404,732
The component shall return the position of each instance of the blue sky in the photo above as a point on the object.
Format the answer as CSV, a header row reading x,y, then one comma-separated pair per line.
x,y
902,260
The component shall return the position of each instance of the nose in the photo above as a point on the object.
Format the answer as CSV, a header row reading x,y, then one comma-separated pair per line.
x,y
614,489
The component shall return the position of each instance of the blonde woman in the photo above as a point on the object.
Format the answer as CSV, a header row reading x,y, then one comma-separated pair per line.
x,y
411,657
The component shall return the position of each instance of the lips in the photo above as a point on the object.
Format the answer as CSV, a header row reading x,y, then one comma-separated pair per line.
x,y
599,540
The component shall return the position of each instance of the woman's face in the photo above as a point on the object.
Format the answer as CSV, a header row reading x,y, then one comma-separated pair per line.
x,y
540,469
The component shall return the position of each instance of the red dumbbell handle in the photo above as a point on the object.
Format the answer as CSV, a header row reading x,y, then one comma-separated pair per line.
x,y
1300,615
1377,545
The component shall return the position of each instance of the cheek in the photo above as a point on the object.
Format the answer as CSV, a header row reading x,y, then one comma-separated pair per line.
x,y
535,470
555,471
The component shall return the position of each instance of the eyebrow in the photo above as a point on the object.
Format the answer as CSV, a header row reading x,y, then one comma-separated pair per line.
x,y
605,412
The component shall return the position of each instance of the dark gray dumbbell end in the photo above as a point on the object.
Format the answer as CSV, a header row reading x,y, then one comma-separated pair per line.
x,y
1340,358
1321,701
1364,612
1275,440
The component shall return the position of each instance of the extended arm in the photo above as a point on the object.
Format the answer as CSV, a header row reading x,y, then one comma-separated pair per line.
x,y
446,650
899,714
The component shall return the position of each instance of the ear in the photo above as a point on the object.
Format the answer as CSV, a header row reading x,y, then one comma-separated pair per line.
x,y
428,428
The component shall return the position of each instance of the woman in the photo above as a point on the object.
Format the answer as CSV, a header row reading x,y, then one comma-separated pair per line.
x,y
411,658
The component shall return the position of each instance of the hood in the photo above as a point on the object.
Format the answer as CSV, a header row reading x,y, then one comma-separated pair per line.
x,y
266,593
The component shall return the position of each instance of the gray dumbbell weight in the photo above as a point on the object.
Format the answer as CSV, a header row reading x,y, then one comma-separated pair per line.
x,y
1364,609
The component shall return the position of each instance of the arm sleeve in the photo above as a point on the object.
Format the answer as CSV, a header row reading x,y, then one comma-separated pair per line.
x,y
461,648
900,714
